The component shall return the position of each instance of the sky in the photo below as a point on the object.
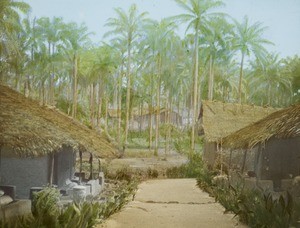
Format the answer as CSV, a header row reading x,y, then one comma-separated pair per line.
x,y
282,17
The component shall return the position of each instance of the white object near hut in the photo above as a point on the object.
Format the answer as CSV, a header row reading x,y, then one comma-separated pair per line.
x,y
79,194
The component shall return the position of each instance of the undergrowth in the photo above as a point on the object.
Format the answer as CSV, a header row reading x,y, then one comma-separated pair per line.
x,y
253,207
47,211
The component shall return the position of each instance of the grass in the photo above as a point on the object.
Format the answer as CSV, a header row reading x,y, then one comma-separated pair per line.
x,y
138,153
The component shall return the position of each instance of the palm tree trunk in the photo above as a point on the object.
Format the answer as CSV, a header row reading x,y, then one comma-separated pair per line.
x,y
99,111
74,106
241,78
92,104
142,117
128,93
158,107
269,94
150,125
211,79
178,110
106,115
119,107
168,123
195,90
51,88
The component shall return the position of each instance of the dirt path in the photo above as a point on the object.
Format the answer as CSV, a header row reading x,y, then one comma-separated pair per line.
x,y
171,203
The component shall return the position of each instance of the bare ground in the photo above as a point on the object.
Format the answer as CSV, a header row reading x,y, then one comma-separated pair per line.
x,y
171,203
142,160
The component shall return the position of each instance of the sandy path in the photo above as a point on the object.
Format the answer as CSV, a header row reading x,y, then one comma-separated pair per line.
x,y
171,203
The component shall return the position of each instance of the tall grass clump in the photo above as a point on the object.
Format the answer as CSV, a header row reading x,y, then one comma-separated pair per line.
x,y
192,169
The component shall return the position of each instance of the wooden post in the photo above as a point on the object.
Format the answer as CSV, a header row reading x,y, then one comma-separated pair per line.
x,y
80,166
0,161
51,170
230,159
91,166
244,160
99,165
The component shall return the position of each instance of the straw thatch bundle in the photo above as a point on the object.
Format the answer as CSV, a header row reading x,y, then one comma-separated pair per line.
x,y
221,119
281,124
31,130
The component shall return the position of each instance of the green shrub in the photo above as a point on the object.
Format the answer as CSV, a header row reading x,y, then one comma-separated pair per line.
x,y
152,173
254,207
192,169
47,213
117,199
45,207
82,215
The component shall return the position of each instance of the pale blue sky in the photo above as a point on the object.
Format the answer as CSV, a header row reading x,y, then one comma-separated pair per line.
x,y
282,17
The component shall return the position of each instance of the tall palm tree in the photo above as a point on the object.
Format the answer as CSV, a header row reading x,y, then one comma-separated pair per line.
x,y
158,38
248,39
216,42
198,12
292,69
127,26
267,79
51,31
75,37
9,23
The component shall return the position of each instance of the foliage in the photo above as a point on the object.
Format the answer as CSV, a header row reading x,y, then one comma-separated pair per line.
x,y
192,169
82,215
46,211
152,173
254,207
117,199
45,206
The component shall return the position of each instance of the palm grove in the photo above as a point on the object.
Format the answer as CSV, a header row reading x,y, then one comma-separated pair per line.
x,y
144,63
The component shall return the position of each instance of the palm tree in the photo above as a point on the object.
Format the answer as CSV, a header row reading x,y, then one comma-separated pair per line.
x,y
292,69
226,75
248,39
75,38
51,31
9,23
157,41
268,80
127,27
198,12
216,42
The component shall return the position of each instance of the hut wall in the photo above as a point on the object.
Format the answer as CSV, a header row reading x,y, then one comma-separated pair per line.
x,y
64,166
280,159
235,159
210,153
24,173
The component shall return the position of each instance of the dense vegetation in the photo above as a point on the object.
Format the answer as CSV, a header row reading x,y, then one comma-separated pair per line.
x,y
48,211
144,62
253,207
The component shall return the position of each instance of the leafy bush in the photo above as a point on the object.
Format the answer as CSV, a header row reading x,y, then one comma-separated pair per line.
x,y
254,207
46,211
45,207
117,200
152,173
192,169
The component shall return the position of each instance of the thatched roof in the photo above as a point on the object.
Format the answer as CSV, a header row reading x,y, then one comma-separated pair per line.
x,y
31,130
284,123
221,119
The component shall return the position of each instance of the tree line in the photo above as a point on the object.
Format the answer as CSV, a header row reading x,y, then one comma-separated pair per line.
x,y
143,63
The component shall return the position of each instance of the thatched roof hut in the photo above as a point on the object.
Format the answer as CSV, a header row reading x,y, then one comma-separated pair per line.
x,y
31,130
221,119
282,124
